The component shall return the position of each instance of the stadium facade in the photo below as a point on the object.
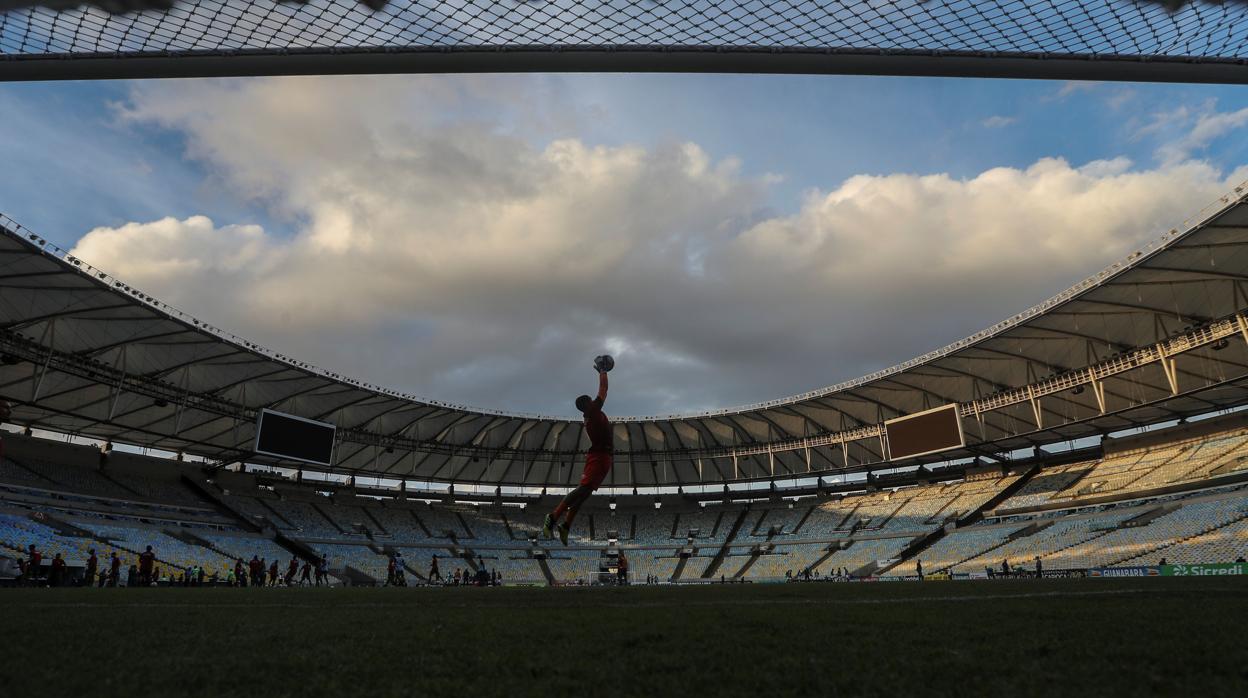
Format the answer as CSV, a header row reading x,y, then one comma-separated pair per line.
x,y
1157,40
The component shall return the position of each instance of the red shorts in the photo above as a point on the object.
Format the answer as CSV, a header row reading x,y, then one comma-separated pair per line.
x,y
597,465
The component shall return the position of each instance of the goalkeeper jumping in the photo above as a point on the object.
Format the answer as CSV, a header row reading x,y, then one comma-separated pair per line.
x,y
597,461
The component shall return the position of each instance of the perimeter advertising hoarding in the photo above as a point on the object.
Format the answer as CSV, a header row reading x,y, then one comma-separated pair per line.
x,y
921,433
1214,570
1063,574
1124,572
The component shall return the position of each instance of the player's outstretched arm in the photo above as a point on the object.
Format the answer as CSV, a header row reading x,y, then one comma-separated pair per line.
x,y
602,387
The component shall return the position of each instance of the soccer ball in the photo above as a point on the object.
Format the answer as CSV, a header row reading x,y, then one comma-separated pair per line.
x,y
604,362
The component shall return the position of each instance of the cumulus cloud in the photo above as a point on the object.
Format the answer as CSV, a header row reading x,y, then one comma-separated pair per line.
x,y
475,259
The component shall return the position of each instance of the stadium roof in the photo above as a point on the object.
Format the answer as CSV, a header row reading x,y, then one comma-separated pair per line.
x,y
1156,337
1152,40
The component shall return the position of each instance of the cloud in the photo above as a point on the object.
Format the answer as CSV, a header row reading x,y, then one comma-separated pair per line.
x,y
479,260
1186,130
998,121
1073,87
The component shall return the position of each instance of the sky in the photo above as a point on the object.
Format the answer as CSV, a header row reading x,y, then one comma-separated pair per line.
x,y
729,238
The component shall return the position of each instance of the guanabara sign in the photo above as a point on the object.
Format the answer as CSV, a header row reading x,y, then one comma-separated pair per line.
x,y
1238,568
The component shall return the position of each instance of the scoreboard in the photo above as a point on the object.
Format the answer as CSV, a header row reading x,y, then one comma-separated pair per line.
x,y
921,433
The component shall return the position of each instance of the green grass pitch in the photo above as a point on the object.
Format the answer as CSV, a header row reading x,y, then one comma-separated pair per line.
x,y
1095,637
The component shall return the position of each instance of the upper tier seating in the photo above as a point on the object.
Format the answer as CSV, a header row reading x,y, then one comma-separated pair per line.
x,y
443,522
656,529
399,523
80,479
606,521
346,517
308,522
1045,484
14,474
489,527
157,490
705,522
759,523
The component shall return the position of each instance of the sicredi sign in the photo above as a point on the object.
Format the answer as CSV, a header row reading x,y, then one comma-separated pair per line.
x,y
1216,570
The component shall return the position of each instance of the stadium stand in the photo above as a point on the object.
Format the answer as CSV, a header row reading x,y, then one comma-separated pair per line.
x,y
14,474
577,566
239,546
304,519
645,563
964,544
82,480
398,521
655,528
360,557
1179,494
168,550
18,532
866,553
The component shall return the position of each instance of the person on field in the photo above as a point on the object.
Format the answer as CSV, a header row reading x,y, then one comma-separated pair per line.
x,y
322,571
114,569
918,569
147,564
303,574
273,573
34,559
1039,568
56,576
433,570
597,461
292,571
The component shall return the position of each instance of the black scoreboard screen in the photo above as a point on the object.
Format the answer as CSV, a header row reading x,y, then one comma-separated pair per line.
x,y
294,438
925,432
